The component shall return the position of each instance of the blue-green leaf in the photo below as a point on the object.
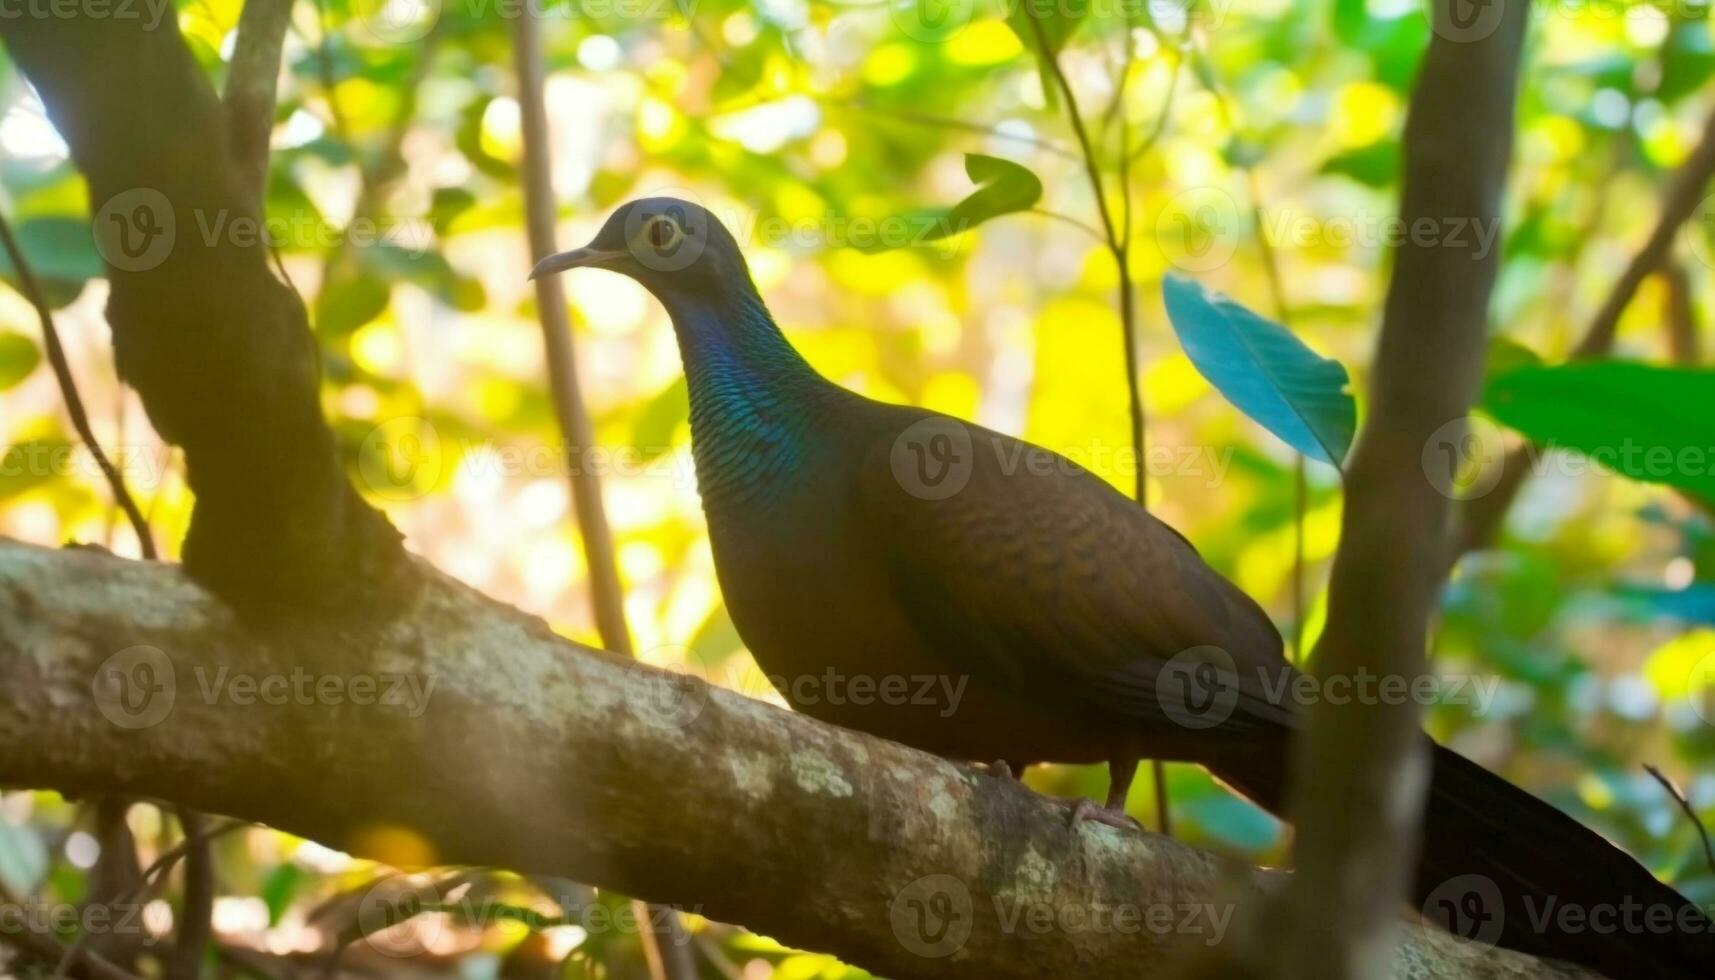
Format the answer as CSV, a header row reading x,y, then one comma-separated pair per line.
x,y
23,858
1265,371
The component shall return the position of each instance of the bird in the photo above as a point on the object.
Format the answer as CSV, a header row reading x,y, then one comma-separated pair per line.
x,y
859,540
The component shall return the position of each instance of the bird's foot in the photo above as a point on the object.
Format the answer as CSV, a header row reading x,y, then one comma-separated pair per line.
x,y
1088,809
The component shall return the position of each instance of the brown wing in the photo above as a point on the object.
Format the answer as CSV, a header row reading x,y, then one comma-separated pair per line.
x,y
1031,571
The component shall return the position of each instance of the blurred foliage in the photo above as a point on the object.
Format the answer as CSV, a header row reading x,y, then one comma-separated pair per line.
x,y
810,127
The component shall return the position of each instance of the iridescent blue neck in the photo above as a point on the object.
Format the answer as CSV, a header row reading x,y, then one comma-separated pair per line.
x,y
753,398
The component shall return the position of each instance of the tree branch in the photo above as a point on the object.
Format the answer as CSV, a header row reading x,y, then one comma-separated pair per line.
x,y
558,760
217,347
1358,801
251,83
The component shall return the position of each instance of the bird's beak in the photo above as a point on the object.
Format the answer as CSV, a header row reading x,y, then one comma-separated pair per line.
x,y
577,258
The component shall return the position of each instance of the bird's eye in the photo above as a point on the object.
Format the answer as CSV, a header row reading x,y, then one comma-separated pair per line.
x,y
661,232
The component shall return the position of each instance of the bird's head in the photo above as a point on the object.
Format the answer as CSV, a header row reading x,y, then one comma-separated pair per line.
x,y
675,249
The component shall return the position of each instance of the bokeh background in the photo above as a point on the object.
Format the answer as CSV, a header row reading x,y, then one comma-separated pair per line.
x,y
396,210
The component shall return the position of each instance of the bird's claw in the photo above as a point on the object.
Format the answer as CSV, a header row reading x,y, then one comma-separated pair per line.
x,y
1088,809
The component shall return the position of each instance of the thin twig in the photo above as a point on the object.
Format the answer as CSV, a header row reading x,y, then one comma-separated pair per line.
x,y
1690,811
1685,190
116,846
41,945
68,389
664,941
1119,245
196,911
156,871
1681,320
1068,219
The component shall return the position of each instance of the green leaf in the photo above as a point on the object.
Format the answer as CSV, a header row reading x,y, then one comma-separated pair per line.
x,y
279,888
414,262
27,465
348,302
1265,371
1375,165
1649,423
1507,355
61,252
1350,19
18,357
1054,23
1003,187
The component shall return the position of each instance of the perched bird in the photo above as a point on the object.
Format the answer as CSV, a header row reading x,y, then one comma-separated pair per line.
x,y
860,540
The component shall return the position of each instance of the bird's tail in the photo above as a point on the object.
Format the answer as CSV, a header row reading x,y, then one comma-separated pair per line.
x,y
1501,867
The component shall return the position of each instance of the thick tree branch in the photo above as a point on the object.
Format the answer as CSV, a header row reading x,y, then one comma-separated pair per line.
x,y
531,753
1359,802
218,348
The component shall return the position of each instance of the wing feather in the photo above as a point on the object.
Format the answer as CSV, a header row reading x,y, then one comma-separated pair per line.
x,y
1039,574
